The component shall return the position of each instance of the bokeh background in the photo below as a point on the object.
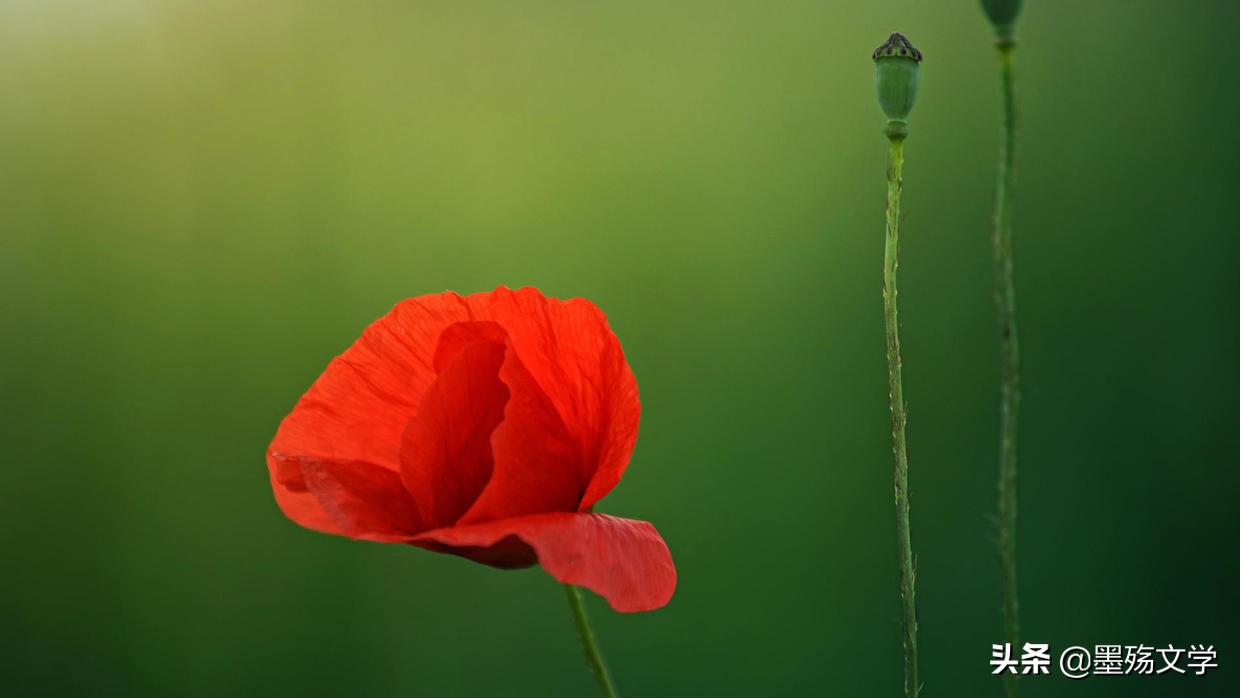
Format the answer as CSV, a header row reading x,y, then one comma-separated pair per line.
x,y
202,203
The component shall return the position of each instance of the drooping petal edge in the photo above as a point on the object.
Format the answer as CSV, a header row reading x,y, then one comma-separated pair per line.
x,y
349,498
623,560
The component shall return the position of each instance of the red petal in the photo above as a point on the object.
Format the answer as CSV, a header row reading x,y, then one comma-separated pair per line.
x,y
294,498
460,335
446,448
571,353
359,407
624,561
355,499
618,419
538,468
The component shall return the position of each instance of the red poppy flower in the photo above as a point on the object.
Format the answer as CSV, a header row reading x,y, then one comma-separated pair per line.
x,y
486,426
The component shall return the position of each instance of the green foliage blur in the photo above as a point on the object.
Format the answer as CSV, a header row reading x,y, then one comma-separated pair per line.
x,y
201,203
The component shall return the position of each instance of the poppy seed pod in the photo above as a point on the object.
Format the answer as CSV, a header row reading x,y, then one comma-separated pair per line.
x,y
1002,13
896,77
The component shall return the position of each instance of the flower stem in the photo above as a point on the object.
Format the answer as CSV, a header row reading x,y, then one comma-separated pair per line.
x,y
1009,350
593,656
899,411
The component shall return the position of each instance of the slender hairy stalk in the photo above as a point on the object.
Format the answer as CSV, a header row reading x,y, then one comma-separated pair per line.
x,y
1009,344
593,656
896,79
899,412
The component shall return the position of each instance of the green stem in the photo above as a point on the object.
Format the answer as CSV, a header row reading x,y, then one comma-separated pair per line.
x,y
593,656
899,411
1009,350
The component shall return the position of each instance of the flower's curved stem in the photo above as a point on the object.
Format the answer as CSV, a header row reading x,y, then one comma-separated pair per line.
x,y
1009,350
593,656
899,412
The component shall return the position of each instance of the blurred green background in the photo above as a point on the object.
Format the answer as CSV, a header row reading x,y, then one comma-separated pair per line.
x,y
202,203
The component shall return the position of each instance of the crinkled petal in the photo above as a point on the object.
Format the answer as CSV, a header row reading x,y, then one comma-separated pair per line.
x,y
622,560
568,348
294,499
618,419
358,408
356,499
446,448
537,463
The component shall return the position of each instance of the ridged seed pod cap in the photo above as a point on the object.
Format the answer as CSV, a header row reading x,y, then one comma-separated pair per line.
x,y
897,76
1002,13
